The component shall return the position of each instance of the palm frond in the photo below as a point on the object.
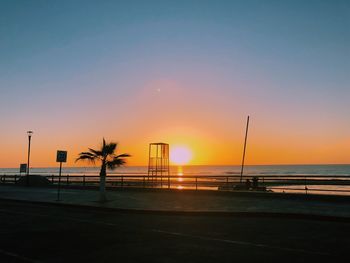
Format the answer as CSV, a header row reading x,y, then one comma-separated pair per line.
x,y
123,155
87,157
106,155
103,142
96,152
110,165
87,153
109,148
117,161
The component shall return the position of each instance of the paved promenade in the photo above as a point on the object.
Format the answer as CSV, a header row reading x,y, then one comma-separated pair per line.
x,y
188,201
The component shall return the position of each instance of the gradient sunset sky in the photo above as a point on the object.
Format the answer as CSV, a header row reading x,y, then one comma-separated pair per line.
x,y
183,72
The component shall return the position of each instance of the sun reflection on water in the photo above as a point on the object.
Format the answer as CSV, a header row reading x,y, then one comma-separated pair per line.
x,y
180,173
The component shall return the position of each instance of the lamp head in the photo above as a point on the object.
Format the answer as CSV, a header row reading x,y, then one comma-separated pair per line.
x,y
30,133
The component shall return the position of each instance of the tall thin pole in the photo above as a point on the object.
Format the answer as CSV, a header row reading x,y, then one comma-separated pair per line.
x,y
29,139
149,161
245,145
156,177
167,163
59,183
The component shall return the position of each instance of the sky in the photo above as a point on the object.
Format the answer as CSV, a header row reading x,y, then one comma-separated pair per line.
x,y
183,72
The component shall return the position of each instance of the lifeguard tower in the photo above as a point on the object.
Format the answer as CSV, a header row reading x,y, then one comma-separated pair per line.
x,y
158,164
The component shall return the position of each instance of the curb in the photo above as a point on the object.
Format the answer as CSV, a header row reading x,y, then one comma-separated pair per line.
x,y
298,216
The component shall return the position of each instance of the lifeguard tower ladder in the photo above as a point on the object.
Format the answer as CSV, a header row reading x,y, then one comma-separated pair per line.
x,y
158,164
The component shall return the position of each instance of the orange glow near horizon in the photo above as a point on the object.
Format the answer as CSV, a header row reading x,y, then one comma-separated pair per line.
x,y
214,138
202,149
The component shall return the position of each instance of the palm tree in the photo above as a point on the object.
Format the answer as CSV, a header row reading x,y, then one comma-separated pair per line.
x,y
108,159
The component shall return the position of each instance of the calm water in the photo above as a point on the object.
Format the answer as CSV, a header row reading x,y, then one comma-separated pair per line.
x,y
206,170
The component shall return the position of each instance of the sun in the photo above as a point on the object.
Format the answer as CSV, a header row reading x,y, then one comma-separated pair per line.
x,y
180,155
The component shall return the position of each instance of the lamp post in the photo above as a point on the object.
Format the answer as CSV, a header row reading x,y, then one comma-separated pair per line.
x,y
30,133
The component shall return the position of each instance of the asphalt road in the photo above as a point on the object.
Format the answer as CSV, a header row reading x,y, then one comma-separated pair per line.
x,y
46,233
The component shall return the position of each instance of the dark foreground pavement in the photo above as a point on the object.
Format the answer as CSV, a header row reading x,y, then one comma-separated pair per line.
x,y
48,233
176,201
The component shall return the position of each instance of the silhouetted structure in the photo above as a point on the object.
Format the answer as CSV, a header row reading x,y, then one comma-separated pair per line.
x,y
158,163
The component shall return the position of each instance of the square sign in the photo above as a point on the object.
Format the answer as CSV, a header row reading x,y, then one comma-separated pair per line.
x,y
61,156
23,168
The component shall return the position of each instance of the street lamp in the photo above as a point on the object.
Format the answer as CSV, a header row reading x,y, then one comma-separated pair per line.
x,y
30,133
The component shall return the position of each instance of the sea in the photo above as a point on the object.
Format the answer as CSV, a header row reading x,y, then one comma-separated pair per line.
x,y
259,170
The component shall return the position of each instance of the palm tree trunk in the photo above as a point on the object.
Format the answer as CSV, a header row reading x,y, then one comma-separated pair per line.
x,y
103,197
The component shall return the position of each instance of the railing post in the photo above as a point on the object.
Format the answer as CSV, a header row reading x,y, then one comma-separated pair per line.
x,y
84,180
196,183
4,178
15,178
227,182
305,186
67,179
52,179
122,184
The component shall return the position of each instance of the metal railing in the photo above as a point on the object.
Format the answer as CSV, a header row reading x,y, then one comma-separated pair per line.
x,y
306,184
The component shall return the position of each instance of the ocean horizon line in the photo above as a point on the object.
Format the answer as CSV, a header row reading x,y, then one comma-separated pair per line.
x,y
191,165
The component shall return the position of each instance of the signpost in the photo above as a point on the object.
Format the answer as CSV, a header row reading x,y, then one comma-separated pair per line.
x,y
60,158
